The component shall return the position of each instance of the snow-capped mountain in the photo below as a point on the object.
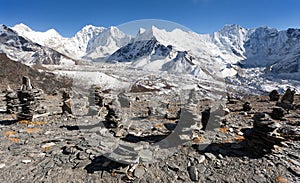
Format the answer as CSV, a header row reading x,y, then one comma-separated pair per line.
x,y
181,51
175,51
89,43
261,47
20,49
106,43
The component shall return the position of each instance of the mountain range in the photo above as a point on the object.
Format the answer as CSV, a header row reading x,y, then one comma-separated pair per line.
x,y
175,51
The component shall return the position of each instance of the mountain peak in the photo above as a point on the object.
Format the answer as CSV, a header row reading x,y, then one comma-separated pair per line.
x,y
22,27
89,27
88,31
150,33
52,33
231,29
113,30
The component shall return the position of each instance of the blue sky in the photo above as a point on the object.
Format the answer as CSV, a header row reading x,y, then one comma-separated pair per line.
x,y
202,16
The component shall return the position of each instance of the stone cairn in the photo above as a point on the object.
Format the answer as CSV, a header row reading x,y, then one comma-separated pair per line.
x,y
66,106
264,132
270,129
173,110
140,107
247,106
12,102
111,117
287,100
29,101
274,95
95,100
277,113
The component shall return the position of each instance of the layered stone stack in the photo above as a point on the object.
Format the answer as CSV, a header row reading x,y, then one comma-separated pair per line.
x,y
274,95
277,113
173,110
29,101
66,107
95,100
265,131
12,102
140,108
247,106
112,119
287,100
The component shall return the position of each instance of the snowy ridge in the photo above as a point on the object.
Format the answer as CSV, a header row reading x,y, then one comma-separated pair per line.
x,y
109,41
233,44
157,49
20,49
89,43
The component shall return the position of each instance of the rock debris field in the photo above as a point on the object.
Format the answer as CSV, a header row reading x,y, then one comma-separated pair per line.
x,y
43,140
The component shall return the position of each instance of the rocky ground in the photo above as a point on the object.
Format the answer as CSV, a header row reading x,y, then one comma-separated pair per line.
x,y
56,148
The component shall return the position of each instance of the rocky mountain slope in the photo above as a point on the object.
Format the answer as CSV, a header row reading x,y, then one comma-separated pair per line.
x,y
11,74
20,49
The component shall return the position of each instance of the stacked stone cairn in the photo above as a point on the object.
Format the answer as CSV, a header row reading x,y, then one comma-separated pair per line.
x,y
265,131
277,113
271,129
140,107
287,100
274,95
66,106
173,110
29,101
12,101
112,119
247,106
95,100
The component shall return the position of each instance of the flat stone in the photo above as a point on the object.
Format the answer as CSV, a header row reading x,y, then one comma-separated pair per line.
x,y
210,156
82,155
83,164
200,159
26,161
201,168
48,145
139,171
122,170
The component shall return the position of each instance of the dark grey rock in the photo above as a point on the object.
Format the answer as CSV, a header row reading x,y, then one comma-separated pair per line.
x,y
193,172
247,106
274,95
277,113
67,104
288,96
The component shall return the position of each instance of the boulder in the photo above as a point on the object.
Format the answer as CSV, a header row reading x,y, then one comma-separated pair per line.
x,y
277,113
274,95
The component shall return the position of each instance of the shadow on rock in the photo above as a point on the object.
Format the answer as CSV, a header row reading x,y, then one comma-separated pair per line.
x,y
8,122
250,146
150,138
102,163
